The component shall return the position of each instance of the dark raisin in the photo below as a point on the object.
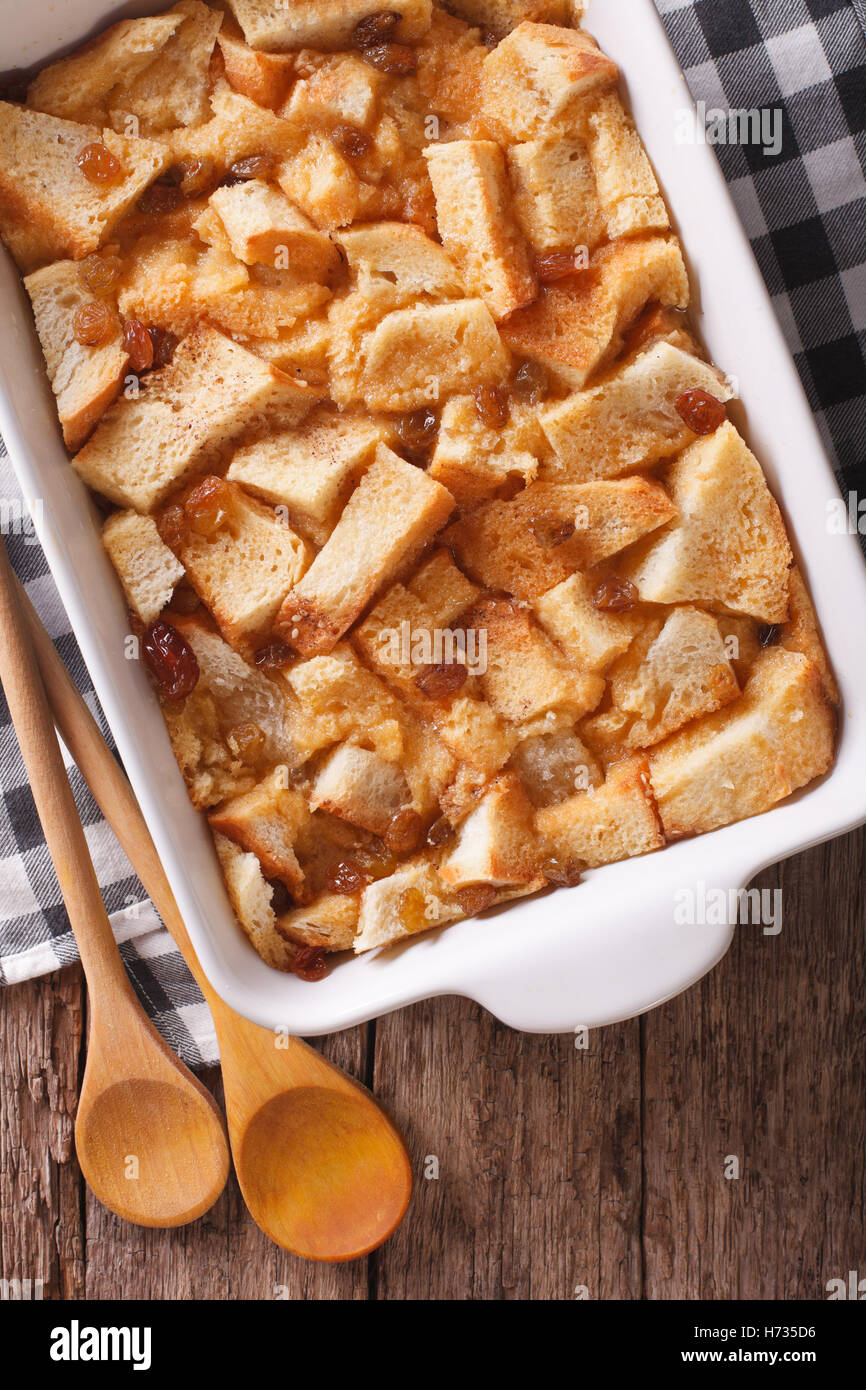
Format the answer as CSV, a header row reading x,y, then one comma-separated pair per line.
x,y
703,413
417,432
615,595
170,660
159,198
375,29
164,344
439,681
309,964
551,531
185,599
276,656
253,166
396,59
138,344
476,899
281,898
562,874
351,141
558,265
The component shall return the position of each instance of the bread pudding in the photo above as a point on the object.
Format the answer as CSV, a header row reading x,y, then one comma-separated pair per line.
x,y
452,572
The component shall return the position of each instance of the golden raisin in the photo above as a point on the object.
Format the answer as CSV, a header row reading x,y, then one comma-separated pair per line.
x,y
491,405
396,59
476,899
347,878
404,832
309,964
159,198
138,344
247,742
99,165
93,324
276,656
197,177
253,166
703,413
375,28
173,527
351,140
412,911
615,595
558,265
439,681
207,506
101,273
530,382
375,860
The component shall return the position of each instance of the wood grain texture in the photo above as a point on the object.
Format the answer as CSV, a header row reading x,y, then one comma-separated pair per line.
x,y
557,1169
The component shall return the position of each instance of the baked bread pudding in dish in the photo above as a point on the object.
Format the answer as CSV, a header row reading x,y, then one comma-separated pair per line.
x,y
451,570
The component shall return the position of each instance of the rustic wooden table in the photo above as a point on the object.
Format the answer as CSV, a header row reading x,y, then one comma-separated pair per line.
x,y
561,1173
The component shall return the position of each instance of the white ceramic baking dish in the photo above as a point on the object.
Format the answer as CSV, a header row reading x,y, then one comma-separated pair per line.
x,y
605,950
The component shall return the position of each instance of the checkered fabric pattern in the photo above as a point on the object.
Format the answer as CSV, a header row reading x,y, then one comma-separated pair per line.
x,y
805,213
805,208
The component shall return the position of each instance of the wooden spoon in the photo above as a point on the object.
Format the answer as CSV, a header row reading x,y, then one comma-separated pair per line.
x,y
322,1169
150,1138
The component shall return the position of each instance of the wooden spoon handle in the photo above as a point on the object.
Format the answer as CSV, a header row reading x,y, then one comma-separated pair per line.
x,y
52,793
111,791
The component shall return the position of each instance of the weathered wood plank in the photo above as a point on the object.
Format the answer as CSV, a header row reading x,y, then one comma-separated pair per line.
x,y
223,1255
41,1233
538,1151
764,1060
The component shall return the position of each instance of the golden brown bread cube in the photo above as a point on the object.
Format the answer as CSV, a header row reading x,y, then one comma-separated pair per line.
x,y
728,545
409,901
263,77
361,787
245,568
251,897
229,695
146,567
626,185
330,921
393,263
675,670
77,87
577,325
613,821
146,446
592,637
529,545
262,226
630,419
85,380
280,25
392,513
344,90
744,759
555,197
496,843
802,633
266,821
473,213
48,208
474,460
536,79
312,470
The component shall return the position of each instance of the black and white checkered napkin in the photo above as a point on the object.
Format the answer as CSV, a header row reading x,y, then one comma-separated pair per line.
x,y
805,212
